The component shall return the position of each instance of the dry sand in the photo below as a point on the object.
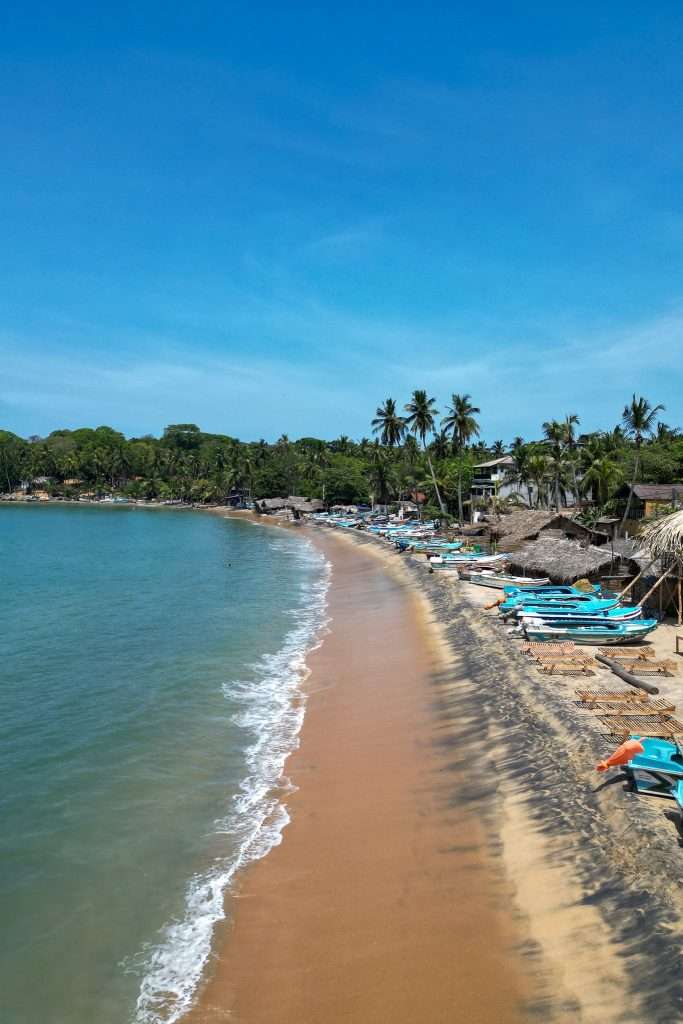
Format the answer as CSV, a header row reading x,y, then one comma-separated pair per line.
x,y
382,902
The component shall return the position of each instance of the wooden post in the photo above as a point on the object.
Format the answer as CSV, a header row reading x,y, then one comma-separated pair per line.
x,y
657,584
680,599
636,578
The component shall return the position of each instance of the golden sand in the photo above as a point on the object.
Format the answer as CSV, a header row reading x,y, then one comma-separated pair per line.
x,y
381,904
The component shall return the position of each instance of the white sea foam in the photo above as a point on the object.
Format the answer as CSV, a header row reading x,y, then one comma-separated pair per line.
x,y
273,705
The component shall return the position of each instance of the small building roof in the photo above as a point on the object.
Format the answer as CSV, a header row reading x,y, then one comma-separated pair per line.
x,y
504,460
658,492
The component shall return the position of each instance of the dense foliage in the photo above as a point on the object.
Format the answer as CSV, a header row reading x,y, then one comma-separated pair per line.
x,y
413,454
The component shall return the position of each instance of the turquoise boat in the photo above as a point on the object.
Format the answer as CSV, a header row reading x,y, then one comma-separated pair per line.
x,y
658,771
525,603
594,633
551,590
618,614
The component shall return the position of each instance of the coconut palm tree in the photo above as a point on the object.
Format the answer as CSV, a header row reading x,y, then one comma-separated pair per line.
x,y
518,473
498,449
601,476
460,422
420,420
381,474
388,424
537,469
555,434
638,422
570,421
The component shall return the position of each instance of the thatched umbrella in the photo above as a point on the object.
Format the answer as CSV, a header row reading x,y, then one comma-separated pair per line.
x,y
664,540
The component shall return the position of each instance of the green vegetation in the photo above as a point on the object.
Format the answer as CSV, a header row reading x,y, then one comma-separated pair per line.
x,y
413,454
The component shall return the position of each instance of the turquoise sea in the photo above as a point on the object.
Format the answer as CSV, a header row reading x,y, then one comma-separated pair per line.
x,y
152,665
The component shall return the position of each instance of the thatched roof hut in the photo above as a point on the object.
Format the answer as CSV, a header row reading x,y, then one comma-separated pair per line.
x,y
271,504
517,527
663,539
566,561
299,504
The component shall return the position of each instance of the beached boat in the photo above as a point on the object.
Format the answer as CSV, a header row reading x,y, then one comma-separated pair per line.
x,y
658,771
594,633
501,580
553,590
575,602
618,614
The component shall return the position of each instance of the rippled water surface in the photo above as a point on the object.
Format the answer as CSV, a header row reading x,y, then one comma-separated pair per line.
x,y
151,667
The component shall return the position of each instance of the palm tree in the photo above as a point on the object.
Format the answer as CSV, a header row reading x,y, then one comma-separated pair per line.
x,y
600,477
381,474
638,422
440,446
420,420
462,425
571,420
498,449
518,473
538,474
556,434
389,424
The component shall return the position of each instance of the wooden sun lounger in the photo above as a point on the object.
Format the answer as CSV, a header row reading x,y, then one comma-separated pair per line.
x,y
631,653
579,656
658,706
642,725
566,665
532,647
649,667
624,696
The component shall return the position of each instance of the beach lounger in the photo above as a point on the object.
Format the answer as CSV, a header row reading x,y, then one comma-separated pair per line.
x,y
530,647
624,696
566,666
658,706
641,653
649,667
641,725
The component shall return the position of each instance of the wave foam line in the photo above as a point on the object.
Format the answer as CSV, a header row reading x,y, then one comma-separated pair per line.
x,y
273,711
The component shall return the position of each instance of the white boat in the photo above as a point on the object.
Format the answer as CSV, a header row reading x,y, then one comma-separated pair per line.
x,y
498,580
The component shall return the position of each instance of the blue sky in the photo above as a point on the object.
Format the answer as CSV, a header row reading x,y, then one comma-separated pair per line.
x,y
266,218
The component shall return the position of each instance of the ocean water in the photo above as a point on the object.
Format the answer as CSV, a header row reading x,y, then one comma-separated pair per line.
x,y
151,666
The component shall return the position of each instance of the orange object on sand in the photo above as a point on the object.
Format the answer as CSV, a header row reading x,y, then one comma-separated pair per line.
x,y
494,604
622,755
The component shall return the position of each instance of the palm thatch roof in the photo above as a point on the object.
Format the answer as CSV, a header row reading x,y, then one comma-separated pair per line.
x,y
565,561
518,526
664,538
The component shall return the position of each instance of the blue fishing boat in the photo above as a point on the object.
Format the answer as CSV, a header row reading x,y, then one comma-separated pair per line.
x,y
526,602
594,633
658,771
617,614
550,590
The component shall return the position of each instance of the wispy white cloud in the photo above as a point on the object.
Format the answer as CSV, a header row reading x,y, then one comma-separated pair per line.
x,y
346,364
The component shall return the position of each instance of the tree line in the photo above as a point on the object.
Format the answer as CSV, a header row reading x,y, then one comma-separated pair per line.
x,y
413,453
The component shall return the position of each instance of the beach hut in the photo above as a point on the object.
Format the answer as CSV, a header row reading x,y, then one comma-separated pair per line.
x,y
663,541
529,524
565,561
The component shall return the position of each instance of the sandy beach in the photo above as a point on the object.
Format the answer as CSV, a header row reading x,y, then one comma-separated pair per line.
x,y
382,902
450,853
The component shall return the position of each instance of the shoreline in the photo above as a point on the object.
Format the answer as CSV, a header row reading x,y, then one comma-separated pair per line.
x,y
595,926
383,901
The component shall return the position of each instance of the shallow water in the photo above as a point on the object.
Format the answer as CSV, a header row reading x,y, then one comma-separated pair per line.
x,y
151,663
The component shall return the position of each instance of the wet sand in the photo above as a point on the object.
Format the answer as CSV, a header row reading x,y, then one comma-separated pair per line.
x,y
383,902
